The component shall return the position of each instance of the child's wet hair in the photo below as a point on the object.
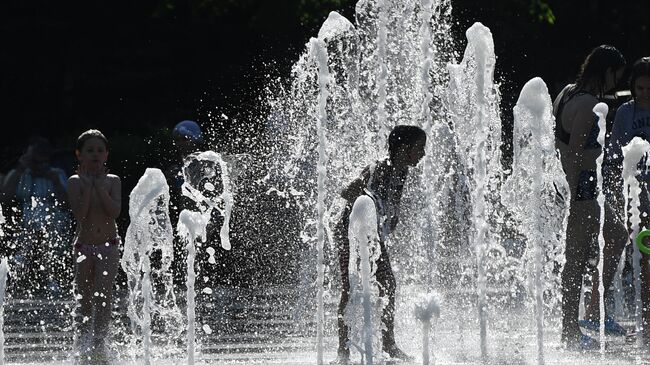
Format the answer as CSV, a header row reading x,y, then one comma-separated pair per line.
x,y
91,133
403,135
639,69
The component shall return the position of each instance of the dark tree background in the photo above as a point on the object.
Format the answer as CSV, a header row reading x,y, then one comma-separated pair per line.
x,y
128,67
135,68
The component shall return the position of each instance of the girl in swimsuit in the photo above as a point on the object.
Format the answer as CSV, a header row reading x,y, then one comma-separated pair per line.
x,y
95,199
576,131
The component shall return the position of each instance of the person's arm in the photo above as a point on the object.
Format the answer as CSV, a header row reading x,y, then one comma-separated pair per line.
x,y
109,190
59,188
3,196
583,123
353,190
356,187
79,189
10,183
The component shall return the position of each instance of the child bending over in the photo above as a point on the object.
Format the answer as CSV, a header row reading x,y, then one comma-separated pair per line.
x,y
384,183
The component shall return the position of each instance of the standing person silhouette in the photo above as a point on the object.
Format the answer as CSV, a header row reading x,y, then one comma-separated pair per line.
x,y
95,199
576,133
39,189
633,120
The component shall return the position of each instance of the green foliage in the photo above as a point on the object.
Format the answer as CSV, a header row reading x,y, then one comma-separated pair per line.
x,y
164,8
541,11
260,14
256,13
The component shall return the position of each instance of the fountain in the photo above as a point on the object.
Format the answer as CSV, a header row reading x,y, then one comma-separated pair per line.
x,y
487,239
426,309
633,153
601,110
2,222
364,252
537,169
148,237
4,272
207,184
320,53
392,66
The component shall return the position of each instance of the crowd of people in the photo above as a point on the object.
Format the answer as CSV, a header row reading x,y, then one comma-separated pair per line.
x,y
45,244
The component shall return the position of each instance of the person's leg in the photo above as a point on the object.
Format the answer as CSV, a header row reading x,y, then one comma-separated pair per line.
x,y
645,294
387,288
105,272
343,244
342,327
582,227
33,271
84,271
387,284
34,255
52,244
645,265
616,237
60,262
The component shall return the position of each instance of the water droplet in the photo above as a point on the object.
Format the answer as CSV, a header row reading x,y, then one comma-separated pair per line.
x,y
207,329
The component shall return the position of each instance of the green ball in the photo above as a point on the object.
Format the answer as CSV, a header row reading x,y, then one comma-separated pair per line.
x,y
639,241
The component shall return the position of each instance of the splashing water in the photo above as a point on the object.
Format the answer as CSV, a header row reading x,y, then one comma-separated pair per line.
x,y
632,154
394,66
601,110
478,126
537,178
191,226
426,309
205,175
463,228
320,53
150,234
4,272
2,222
364,249
355,110
207,183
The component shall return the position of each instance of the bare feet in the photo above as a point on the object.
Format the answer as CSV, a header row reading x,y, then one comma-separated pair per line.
x,y
396,353
343,358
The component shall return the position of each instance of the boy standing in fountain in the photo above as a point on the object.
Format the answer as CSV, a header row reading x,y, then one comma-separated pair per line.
x,y
384,183
95,199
